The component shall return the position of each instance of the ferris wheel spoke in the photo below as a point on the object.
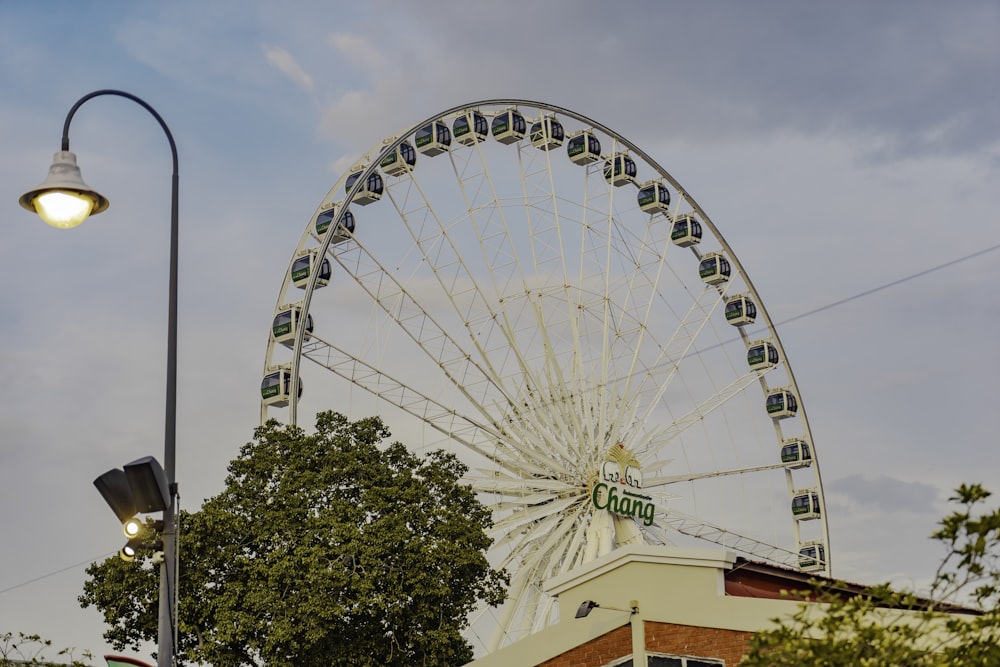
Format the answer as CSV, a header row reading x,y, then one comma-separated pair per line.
x,y
573,556
443,256
524,591
541,432
491,482
687,525
652,482
531,516
487,217
666,366
442,418
521,614
549,238
643,280
543,559
521,585
457,364
523,539
717,400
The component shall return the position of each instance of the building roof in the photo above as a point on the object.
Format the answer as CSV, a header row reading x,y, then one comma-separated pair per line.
x,y
711,589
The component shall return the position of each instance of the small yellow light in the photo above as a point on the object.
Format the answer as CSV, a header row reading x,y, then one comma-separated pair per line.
x,y
131,528
62,208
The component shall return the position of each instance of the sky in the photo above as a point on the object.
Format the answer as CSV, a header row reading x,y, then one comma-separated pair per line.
x,y
840,148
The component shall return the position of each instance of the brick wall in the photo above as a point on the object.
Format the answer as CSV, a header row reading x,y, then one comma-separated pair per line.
x,y
728,645
689,640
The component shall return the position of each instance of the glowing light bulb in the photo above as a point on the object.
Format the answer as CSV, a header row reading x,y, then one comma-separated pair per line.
x,y
62,208
131,527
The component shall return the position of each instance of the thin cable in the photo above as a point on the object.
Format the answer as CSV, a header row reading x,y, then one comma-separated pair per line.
x,y
918,274
854,297
52,574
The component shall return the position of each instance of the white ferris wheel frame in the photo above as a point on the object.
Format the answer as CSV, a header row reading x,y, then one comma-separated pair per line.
x,y
468,429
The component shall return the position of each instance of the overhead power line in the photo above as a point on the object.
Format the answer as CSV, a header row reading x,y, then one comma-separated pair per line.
x,y
54,573
800,316
912,276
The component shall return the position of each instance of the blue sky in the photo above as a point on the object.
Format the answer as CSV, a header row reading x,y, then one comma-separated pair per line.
x,y
839,148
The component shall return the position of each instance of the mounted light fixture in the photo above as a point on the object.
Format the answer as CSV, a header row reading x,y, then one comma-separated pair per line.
x,y
129,551
114,487
148,484
585,608
63,200
634,620
140,543
132,527
138,488
589,605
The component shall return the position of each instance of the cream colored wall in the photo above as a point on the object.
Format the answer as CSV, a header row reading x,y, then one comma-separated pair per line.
x,y
671,585
552,641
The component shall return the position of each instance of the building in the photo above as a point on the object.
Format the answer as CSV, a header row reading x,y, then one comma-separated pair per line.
x,y
667,606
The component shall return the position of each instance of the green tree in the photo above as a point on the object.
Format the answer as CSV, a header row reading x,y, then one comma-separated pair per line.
x,y
336,548
22,649
957,624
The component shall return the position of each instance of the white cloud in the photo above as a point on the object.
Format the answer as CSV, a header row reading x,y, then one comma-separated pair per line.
x,y
358,50
285,63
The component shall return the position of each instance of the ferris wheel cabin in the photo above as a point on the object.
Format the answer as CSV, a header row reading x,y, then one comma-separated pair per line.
x,y
762,354
714,268
370,191
805,505
275,388
686,230
781,404
433,139
653,197
286,325
470,128
399,161
305,264
547,133
583,148
619,169
812,556
508,126
344,229
795,453
740,310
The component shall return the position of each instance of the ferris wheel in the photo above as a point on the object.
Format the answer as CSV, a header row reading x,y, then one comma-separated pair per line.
x,y
521,284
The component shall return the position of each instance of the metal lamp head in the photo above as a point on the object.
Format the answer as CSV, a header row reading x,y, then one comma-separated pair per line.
x,y
113,485
63,200
148,484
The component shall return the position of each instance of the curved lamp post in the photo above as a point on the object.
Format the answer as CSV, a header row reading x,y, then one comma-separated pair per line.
x,y
63,200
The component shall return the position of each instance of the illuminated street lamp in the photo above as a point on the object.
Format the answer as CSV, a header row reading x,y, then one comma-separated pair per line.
x,y
63,200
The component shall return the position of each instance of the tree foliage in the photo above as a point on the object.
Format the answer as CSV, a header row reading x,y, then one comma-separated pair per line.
x,y
335,548
957,624
22,649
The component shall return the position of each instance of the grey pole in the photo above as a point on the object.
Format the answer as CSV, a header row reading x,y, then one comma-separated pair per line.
x,y
168,568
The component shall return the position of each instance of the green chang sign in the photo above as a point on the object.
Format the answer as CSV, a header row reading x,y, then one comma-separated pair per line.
x,y
617,489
